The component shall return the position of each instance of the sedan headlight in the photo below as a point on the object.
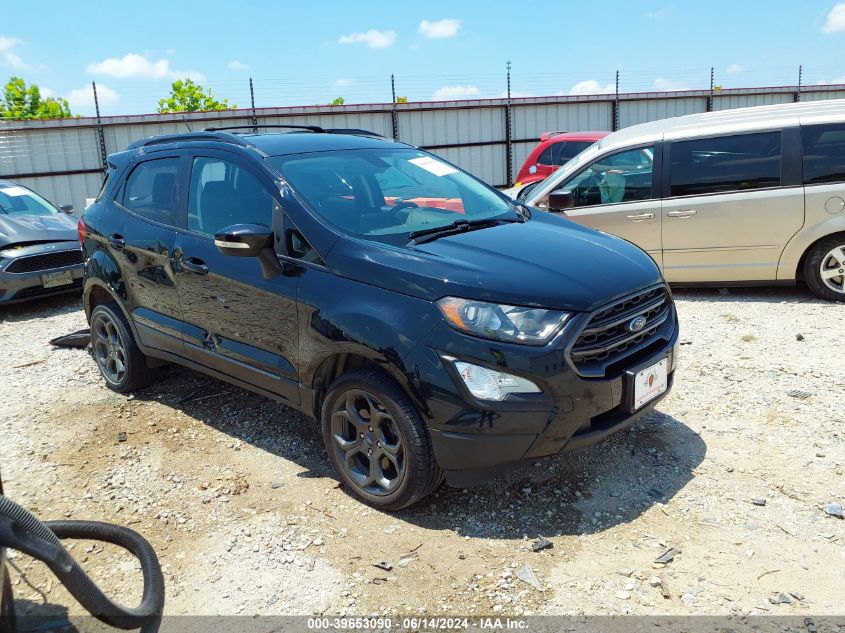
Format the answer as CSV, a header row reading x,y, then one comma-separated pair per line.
x,y
512,324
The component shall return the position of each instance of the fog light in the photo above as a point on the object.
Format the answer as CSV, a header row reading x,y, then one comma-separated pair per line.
x,y
488,384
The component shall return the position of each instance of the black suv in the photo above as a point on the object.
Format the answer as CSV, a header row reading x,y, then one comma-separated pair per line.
x,y
433,326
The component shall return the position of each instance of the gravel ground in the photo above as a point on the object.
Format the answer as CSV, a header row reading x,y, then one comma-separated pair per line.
x,y
237,496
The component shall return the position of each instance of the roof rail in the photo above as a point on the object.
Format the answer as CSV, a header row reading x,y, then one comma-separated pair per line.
x,y
310,128
189,136
351,130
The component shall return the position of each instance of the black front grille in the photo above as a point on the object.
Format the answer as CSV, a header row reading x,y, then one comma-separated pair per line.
x,y
607,336
45,261
37,291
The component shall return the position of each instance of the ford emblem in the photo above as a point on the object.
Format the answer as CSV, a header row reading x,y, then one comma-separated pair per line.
x,y
637,324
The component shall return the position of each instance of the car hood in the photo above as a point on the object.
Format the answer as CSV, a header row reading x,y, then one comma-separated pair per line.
x,y
36,228
548,261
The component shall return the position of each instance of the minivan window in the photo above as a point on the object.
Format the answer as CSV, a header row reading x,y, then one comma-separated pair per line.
x,y
222,193
621,177
824,153
725,163
151,189
387,193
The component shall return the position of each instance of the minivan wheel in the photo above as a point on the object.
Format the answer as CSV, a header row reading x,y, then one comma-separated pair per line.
x,y
121,363
824,268
377,442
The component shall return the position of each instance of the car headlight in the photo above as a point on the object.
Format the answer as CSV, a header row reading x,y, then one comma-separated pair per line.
x,y
512,324
489,384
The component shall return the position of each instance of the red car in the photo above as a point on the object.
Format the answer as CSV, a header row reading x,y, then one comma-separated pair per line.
x,y
553,150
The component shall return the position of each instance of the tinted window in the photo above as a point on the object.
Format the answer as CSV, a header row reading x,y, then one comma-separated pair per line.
x,y
824,153
558,154
725,163
545,157
222,194
151,189
621,177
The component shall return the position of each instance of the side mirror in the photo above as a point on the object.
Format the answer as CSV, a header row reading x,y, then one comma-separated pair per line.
x,y
243,240
561,200
250,240
66,208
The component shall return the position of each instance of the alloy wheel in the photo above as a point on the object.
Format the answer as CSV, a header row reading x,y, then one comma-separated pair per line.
x,y
367,442
832,269
109,349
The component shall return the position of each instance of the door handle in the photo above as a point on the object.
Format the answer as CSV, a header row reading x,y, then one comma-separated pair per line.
x,y
117,242
194,265
682,213
640,216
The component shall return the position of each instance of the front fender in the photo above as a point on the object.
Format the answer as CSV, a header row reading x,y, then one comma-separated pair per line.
x,y
356,318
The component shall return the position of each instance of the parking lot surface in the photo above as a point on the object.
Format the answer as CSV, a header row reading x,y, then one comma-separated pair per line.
x,y
735,472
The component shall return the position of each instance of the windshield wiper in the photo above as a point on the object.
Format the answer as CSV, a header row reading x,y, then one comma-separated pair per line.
x,y
458,226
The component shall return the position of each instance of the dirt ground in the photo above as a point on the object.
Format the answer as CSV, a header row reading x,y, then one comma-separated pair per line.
x,y
236,494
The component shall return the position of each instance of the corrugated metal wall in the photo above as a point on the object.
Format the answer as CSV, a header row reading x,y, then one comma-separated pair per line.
x,y
61,159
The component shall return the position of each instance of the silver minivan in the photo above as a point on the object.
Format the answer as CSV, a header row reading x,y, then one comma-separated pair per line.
x,y
743,196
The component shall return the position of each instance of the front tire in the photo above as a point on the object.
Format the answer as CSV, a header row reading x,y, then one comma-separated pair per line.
x,y
377,442
122,365
824,268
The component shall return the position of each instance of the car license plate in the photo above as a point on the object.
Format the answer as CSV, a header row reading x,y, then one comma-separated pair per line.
x,y
650,383
54,280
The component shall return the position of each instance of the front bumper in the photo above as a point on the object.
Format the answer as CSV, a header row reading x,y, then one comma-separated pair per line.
x,y
474,441
21,286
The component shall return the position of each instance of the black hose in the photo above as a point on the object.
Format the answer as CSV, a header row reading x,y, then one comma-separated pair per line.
x,y
20,530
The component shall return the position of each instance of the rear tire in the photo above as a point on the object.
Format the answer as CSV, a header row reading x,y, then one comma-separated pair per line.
x,y
824,268
377,442
122,365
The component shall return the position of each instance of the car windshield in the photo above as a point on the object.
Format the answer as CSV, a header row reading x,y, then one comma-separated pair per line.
x,y
16,200
388,193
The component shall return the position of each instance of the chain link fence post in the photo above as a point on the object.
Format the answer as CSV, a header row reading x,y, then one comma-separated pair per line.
x,y
615,109
104,157
394,115
252,103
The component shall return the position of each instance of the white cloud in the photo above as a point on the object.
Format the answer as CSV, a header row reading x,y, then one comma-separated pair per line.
x,y
439,29
14,61
10,58
372,38
340,83
237,65
8,43
134,66
669,86
447,93
591,87
835,21
734,68
82,99
46,92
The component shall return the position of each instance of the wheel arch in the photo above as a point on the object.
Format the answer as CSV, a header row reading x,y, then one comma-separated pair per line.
x,y
795,253
340,363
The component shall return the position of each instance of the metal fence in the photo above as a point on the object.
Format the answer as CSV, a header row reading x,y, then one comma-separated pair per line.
x,y
64,159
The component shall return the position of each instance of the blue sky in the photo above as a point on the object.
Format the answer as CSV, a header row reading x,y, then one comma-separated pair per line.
x,y
307,53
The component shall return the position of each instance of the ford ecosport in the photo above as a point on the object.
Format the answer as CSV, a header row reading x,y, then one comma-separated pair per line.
x,y
435,328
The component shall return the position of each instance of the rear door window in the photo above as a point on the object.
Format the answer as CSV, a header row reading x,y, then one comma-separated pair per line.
x,y
151,189
725,163
824,153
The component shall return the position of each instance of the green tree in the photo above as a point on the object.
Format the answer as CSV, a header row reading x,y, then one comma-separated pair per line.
x,y
20,101
187,96
338,101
